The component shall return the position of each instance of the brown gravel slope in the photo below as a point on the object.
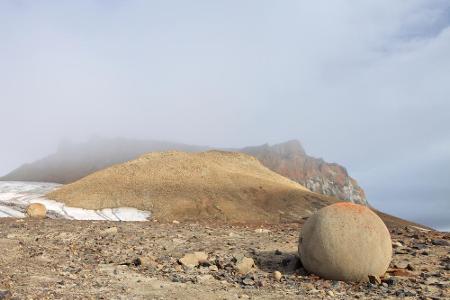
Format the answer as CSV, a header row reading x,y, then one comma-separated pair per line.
x,y
64,259
214,185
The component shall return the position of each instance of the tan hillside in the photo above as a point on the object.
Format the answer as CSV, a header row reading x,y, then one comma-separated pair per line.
x,y
213,185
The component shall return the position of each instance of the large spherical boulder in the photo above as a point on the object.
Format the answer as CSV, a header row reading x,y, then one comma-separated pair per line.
x,y
345,241
37,210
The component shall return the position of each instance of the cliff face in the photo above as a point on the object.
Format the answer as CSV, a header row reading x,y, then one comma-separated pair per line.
x,y
290,160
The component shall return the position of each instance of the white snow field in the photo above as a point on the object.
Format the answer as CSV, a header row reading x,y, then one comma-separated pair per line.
x,y
15,196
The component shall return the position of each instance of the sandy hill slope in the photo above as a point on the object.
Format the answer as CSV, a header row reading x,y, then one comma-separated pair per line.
x,y
205,186
74,161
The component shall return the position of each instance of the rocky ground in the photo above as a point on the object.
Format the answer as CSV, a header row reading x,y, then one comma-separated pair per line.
x,y
62,259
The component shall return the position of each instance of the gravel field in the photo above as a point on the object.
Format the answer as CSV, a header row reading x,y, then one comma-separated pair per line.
x,y
66,259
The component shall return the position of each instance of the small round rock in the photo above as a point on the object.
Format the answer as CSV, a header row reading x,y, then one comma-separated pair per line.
x,y
277,275
37,211
345,241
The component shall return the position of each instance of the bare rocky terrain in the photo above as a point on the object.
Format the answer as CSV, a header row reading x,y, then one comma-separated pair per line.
x,y
64,259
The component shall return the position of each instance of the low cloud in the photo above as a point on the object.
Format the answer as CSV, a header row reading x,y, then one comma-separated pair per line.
x,y
360,83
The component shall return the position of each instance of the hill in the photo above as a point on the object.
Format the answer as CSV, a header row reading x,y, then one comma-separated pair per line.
x,y
206,186
74,161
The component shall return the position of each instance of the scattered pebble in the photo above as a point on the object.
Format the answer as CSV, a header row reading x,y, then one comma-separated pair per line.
x,y
109,231
244,265
192,260
277,275
213,268
248,281
397,244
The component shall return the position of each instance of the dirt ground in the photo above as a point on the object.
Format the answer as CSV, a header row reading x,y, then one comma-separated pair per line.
x,y
63,259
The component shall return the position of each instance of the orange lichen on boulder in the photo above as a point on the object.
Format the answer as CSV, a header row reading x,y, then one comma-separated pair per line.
x,y
348,205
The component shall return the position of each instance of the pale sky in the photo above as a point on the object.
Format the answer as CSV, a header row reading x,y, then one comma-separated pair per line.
x,y
362,83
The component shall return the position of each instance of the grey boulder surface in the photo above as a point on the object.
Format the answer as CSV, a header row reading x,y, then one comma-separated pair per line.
x,y
345,241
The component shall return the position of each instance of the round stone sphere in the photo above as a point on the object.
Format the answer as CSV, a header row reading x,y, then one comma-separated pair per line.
x,y
37,210
345,241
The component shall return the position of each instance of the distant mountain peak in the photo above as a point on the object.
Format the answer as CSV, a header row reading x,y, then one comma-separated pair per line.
x,y
292,147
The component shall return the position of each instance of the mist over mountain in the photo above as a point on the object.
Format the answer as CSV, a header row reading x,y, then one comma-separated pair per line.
x,y
75,161
364,84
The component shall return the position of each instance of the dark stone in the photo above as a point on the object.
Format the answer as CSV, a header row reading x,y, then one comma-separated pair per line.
x,y
440,242
400,293
391,281
136,262
419,246
205,263
248,281
410,293
5,295
336,284
176,278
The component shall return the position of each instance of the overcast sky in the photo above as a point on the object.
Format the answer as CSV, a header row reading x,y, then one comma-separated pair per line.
x,y
362,83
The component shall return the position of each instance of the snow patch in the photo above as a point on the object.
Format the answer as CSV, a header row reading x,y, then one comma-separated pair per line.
x,y
15,196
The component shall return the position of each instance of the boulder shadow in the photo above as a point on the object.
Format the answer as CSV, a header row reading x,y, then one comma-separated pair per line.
x,y
285,262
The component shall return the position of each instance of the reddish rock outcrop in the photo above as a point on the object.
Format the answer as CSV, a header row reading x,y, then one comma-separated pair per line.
x,y
290,160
